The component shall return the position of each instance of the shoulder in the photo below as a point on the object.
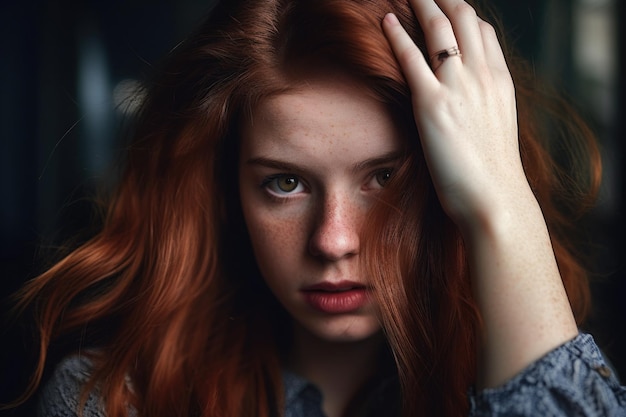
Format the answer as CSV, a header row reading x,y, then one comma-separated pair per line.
x,y
61,394
571,380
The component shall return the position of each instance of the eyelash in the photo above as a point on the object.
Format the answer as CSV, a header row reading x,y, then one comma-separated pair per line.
x,y
384,171
267,182
282,195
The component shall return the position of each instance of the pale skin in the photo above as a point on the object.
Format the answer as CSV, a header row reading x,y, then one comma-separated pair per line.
x,y
466,115
338,144
330,147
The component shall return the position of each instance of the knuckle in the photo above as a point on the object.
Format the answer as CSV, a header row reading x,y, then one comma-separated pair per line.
x,y
438,23
464,10
486,28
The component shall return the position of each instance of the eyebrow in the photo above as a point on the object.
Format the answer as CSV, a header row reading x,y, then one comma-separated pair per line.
x,y
272,163
384,159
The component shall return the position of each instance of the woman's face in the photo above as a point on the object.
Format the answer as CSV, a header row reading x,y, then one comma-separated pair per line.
x,y
312,163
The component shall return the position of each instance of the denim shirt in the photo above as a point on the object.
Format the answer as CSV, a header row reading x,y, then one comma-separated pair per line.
x,y
571,380
303,399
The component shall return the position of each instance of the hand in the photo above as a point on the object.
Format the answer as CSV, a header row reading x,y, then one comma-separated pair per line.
x,y
464,107
466,115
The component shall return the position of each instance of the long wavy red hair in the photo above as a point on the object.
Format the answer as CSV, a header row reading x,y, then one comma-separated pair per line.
x,y
168,293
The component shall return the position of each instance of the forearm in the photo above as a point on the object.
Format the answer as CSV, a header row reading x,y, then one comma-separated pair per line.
x,y
465,112
517,286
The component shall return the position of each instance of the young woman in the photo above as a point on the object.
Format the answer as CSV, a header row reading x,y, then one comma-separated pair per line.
x,y
339,208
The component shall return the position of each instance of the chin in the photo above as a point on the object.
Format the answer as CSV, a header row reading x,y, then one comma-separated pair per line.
x,y
343,329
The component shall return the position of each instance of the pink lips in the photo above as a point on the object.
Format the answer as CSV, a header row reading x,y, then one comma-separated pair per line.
x,y
336,298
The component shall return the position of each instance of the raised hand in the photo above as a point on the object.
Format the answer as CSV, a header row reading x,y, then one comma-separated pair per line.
x,y
464,106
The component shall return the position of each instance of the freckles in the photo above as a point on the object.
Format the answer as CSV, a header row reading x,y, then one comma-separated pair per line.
x,y
279,235
278,246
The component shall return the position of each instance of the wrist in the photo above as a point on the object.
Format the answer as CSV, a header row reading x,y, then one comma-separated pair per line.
x,y
500,214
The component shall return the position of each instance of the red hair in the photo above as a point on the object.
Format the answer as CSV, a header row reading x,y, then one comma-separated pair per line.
x,y
168,292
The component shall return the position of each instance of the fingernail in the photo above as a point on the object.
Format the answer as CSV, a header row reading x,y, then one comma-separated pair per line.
x,y
391,18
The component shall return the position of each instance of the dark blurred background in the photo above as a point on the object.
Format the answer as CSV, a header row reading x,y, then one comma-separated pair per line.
x,y
68,69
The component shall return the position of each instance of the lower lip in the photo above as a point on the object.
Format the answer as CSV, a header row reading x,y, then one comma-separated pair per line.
x,y
337,302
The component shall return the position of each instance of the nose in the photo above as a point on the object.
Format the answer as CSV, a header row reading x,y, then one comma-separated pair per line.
x,y
336,232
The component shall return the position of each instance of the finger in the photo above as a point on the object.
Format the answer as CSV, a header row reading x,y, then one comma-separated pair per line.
x,y
412,61
491,45
465,24
435,24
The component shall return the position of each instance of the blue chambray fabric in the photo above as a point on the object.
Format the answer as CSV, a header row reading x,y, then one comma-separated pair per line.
x,y
573,380
302,399
60,396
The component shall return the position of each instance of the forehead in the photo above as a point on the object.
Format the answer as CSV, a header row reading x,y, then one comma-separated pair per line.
x,y
333,114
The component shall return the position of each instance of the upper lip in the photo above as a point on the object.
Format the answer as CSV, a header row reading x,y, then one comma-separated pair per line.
x,y
334,286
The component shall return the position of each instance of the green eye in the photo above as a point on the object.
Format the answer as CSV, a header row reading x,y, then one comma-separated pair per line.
x,y
286,183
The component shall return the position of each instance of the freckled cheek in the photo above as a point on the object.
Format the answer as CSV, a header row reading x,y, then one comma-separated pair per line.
x,y
279,245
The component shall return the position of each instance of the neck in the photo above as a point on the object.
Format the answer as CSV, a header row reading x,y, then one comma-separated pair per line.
x,y
338,369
